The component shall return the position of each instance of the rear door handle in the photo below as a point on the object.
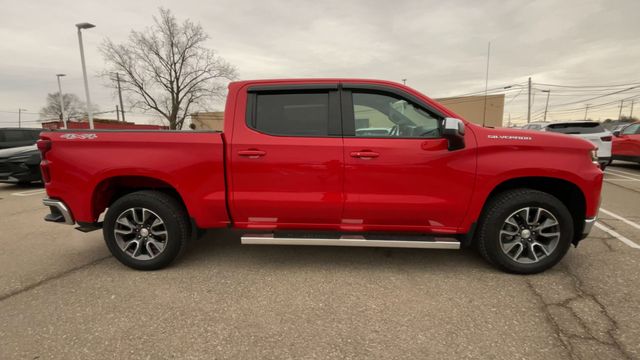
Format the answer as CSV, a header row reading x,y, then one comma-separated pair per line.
x,y
364,154
252,153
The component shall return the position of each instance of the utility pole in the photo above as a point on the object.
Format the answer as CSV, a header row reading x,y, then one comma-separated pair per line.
x,y
64,117
546,107
631,113
20,110
529,103
117,113
620,114
120,96
585,111
509,123
486,85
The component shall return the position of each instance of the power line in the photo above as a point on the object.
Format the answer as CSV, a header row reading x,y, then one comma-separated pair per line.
x,y
590,86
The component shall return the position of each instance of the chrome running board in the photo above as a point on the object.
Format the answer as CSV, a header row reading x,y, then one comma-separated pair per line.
x,y
346,240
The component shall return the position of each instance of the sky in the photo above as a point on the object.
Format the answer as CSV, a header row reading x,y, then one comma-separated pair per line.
x,y
439,47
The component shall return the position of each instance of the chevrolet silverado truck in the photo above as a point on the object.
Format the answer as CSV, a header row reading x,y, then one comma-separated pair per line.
x,y
298,164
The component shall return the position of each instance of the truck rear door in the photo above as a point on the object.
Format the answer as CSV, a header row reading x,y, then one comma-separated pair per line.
x,y
286,157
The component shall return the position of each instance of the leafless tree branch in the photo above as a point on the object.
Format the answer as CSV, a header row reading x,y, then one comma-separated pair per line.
x,y
167,68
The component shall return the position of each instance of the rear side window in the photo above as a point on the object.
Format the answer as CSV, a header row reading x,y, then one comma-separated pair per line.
x,y
33,134
576,128
14,135
292,114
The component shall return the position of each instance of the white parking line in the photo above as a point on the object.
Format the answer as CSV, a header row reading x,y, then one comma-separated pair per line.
x,y
29,192
624,172
617,235
618,217
622,176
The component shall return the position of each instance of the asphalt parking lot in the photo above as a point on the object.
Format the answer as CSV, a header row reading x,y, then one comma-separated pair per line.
x,y
62,296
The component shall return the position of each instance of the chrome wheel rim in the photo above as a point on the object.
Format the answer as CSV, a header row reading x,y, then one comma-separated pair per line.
x,y
529,235
140,233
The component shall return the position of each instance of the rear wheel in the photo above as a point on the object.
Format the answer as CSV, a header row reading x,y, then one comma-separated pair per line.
x,y
525,231
146,230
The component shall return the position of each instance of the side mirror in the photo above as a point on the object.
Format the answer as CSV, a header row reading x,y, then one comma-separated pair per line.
x,y
616,133
453,131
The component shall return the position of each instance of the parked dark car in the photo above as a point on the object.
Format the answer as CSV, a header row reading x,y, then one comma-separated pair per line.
x,y
16,137
20,165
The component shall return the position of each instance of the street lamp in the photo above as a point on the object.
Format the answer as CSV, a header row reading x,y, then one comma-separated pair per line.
x,y
81,26
546,107
64,117
20,110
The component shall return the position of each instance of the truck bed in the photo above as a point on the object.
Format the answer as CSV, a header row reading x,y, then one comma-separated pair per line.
x,y
94,161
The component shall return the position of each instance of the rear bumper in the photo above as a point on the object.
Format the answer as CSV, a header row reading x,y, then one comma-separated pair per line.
x,y
59,212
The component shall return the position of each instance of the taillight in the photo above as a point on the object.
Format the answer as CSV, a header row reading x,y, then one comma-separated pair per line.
x,y
44,145
606,138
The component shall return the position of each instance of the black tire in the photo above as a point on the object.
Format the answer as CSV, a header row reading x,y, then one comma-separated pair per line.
x,y
163,206
503,205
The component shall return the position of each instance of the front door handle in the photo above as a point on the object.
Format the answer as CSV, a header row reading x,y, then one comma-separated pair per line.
x,y
253,153
364,154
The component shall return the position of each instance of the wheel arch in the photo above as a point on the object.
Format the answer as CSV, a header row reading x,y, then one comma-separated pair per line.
x,y
112,188
567,192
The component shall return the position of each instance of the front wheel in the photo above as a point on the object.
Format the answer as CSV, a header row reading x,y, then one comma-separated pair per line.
x,y
524,231
146,230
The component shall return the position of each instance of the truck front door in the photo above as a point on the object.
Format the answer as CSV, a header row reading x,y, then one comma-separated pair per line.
x,y
399,174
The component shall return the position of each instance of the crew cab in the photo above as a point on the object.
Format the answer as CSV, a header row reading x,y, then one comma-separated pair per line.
x,y
298,164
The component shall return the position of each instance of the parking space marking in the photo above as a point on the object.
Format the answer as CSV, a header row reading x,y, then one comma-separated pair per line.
x,y
623,172
29,192
622,176
618,217
616,235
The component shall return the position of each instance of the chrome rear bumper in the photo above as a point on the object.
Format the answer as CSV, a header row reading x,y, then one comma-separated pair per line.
x,y
59,212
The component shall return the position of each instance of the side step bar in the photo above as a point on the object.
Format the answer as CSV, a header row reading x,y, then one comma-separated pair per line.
x,y
269,239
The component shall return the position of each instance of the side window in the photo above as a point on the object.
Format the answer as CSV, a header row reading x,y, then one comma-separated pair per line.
x,y
34,134
631,129
13,135
382,115
292,114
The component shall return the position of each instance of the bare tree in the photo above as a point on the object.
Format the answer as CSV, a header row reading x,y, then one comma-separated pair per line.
x,y
74,108
167,68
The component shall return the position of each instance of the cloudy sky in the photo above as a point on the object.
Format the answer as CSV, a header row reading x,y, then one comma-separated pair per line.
x,y
438,46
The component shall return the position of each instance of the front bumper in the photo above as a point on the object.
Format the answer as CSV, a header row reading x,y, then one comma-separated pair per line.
x,y
588,225
13,172
59,212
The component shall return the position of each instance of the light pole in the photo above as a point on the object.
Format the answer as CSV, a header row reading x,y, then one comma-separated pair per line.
x,y
546,107
84,69
20,110
64,117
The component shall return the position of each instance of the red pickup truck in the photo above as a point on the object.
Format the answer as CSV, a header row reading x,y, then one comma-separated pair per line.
x,y
339,162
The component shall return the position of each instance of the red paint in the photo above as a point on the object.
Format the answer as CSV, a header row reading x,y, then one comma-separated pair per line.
x,y
626,145
330,183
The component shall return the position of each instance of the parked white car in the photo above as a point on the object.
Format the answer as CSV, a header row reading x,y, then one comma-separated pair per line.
x,y
589,130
